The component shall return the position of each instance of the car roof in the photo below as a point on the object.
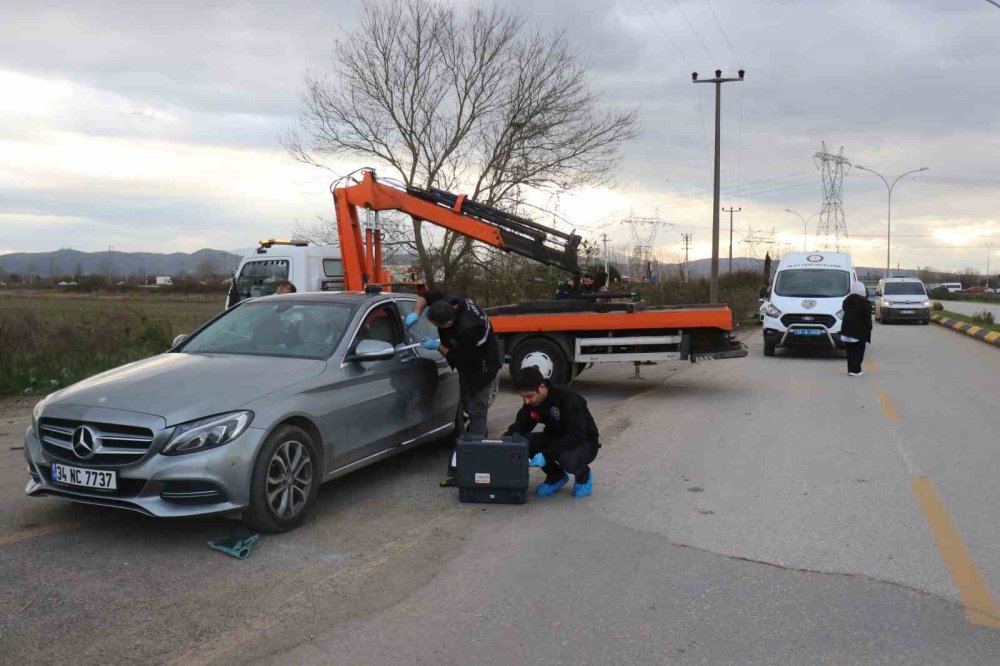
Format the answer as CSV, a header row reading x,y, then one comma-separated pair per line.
x,y
902,279
342,297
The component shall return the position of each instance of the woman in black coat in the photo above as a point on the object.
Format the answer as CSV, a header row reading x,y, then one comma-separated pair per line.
x,y
856,328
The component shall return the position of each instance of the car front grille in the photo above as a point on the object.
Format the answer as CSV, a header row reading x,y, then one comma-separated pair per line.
x,y
113,444
821,319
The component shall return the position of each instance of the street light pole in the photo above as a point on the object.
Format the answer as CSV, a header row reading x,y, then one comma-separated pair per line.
x,y
888,219
989,249
805,225
713,289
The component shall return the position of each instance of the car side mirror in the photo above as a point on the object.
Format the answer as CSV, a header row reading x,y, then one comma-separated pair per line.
x,y
372,350
179,339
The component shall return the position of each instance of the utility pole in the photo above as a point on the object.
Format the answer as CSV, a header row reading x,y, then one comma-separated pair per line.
x,y
110,247
713,289
607,269
989,249
731,211
687,246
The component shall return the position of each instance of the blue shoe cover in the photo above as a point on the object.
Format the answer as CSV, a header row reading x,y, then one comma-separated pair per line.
x,y
583,489
546,489
538,460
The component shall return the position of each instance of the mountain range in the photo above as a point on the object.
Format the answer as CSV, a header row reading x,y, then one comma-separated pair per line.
x,y
67,262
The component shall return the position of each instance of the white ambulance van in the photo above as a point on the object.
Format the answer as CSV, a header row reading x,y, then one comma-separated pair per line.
x,y
805,305
309,267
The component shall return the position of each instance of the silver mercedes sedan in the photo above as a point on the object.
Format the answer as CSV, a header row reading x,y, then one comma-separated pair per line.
x,y
249,414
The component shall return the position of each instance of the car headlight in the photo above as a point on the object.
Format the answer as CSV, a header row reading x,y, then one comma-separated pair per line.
x,y
926,304
36,414
207,433
840,314
886,304
772,311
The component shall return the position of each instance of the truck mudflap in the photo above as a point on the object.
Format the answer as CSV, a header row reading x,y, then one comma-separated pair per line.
x,y
739,350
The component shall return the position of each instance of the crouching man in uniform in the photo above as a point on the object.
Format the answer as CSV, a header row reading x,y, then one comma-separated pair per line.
x,y
570,440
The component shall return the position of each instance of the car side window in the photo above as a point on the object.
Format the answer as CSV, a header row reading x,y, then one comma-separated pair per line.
x,y
382,323
423,328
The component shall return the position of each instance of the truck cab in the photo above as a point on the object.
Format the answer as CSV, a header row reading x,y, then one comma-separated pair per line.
x,y
309,267
805,306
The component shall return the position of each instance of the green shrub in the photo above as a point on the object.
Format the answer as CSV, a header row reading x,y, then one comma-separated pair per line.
x,y
983,316
937,305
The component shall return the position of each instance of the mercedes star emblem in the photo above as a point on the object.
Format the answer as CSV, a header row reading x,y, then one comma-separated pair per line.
x,y
84,442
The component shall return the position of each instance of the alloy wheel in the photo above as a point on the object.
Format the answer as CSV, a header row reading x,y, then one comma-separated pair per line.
x,y
289,479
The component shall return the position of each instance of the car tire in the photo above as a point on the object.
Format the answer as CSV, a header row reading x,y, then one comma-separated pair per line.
x,y
769,348
884,320
285,481
551,360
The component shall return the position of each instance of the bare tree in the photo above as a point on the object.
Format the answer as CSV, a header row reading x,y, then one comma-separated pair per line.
x,y
473,101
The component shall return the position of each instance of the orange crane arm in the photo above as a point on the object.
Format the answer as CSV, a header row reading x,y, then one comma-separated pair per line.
x,y
362,262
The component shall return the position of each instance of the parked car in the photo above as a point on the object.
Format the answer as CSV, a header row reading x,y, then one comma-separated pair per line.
x,y
249,414
902,299
976,290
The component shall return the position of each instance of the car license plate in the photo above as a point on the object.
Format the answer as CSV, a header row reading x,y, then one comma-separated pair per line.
x,y
808,331
88,478
906,312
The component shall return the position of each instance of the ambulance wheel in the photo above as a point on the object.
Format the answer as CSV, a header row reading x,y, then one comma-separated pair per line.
x,y
769,349
545,355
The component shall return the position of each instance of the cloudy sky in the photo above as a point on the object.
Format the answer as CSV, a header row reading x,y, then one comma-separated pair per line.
x,y
155,126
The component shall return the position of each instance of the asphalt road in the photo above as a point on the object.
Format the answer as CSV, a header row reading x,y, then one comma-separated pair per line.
x,y
758,511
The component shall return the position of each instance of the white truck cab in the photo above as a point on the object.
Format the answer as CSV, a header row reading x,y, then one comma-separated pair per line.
x,y
308,267
805,305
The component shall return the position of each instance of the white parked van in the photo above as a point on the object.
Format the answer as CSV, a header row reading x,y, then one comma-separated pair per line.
x,y
805,306
308,267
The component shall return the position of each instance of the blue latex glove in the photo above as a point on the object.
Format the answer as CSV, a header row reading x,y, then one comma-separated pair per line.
x,y
411,319
430,343
538,460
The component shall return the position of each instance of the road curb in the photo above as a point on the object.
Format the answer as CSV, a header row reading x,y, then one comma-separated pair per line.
x,y
973,331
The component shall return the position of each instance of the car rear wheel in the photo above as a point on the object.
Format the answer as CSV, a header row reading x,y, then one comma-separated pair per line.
x,y
285,481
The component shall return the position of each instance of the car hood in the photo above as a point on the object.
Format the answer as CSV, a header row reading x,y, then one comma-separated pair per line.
x,y
807,304
909,299
181,387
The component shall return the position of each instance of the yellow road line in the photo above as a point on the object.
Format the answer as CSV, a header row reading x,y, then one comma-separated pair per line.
x,y
887,406
869,365
41,530
979,606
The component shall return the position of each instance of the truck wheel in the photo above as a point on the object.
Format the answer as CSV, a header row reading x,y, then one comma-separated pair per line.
x,y
769,348
285,481
544,354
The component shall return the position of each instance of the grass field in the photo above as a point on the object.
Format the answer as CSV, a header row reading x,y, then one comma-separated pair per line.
x,y
968,320
51,339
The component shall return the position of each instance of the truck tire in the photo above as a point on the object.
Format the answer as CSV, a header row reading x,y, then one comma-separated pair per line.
x,y
769,348
544,354
285,481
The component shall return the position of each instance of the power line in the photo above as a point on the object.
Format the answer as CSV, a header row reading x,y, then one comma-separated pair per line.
x,y
723,31
672,43
695,32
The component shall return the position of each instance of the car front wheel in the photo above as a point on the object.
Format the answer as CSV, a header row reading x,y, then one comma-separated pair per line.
x,y
285,481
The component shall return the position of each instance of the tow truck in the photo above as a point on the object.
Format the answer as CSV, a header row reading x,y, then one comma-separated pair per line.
x,y
561,337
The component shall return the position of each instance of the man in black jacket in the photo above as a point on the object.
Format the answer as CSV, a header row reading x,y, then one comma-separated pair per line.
x,y
856,328
468,343
570,440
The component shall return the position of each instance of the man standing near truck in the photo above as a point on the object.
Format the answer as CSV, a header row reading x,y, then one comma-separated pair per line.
x,y
467,341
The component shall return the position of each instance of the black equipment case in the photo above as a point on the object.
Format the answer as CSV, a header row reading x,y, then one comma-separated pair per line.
x,y
492,471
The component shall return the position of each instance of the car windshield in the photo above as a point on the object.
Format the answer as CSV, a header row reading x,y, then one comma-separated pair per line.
x,y
904,289
274,328
812,283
